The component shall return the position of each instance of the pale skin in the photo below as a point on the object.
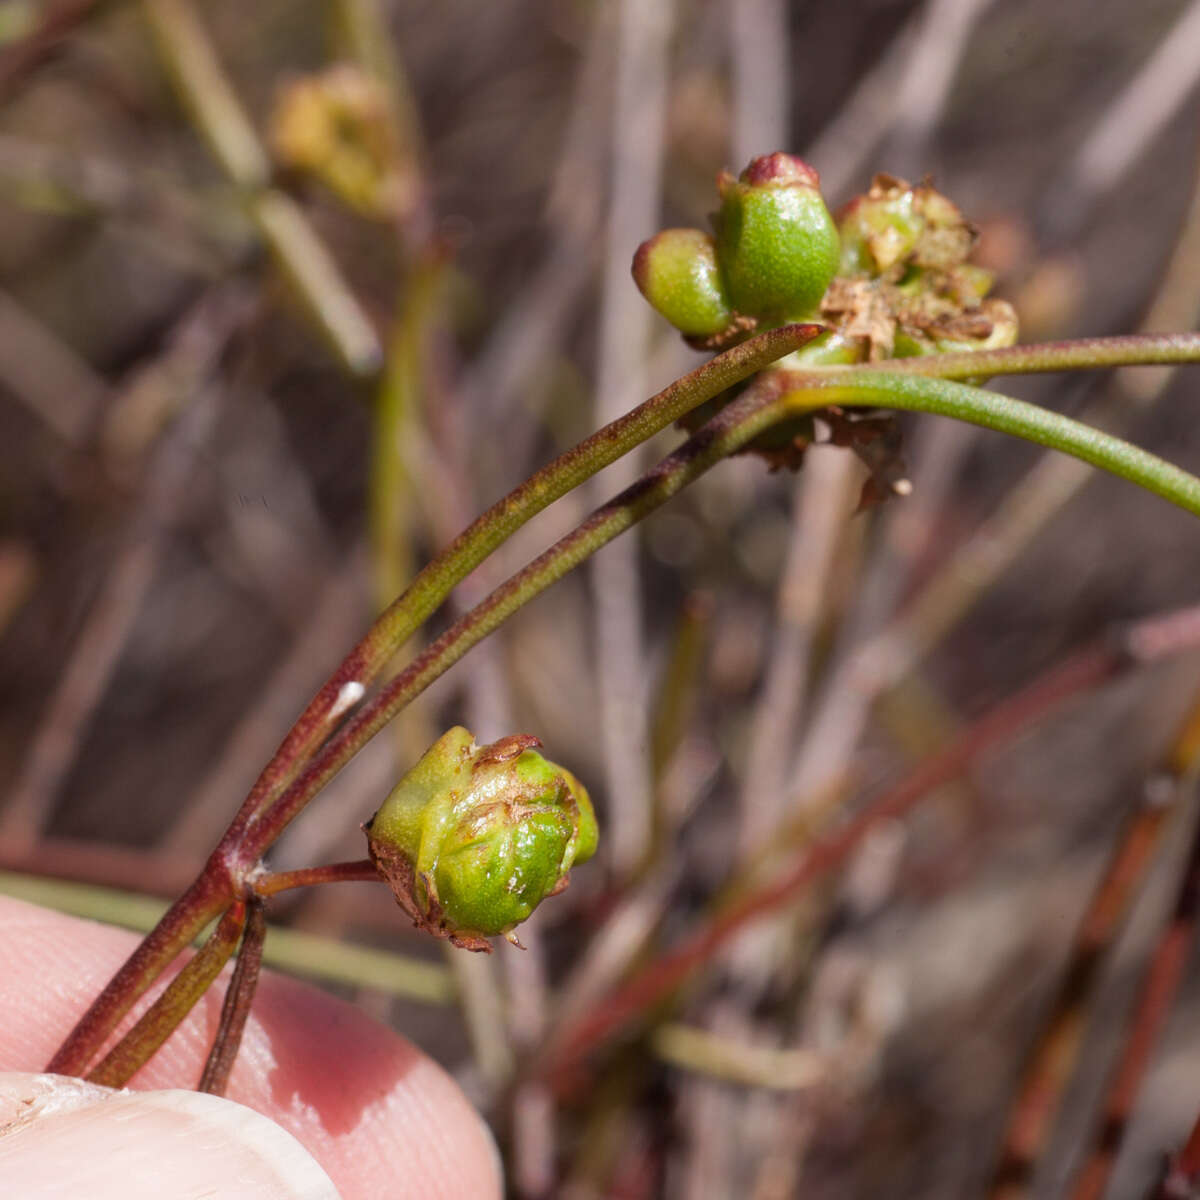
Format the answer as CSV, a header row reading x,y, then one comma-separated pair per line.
x,y
377,1116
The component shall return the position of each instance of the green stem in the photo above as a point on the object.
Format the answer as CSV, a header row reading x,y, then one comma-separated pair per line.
x,y
190,59
282,790
435,582
794,391
754,411
1138,349
212,891
397,419
162,1018
992,411
242,846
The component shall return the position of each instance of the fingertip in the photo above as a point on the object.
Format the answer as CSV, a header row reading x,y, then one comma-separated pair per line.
x,y
59,1138
365,1101
370,1107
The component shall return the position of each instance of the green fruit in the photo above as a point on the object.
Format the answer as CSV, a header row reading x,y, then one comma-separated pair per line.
x,y
776,242
676,270
474,837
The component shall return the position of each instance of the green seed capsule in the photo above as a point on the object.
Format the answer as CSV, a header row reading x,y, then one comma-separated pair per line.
x,y
676,270
474,837
776,242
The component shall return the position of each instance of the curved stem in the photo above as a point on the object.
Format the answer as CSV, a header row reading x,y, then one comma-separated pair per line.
x,y
284,788
755,410
162,1018
993,411
738,423
435,582
212,892
1138,349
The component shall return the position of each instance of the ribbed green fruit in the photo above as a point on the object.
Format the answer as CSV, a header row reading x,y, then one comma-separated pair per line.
x,y
474,837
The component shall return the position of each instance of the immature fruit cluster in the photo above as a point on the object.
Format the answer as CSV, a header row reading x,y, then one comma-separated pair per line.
x,y
889,279
904,285
774,253
474,837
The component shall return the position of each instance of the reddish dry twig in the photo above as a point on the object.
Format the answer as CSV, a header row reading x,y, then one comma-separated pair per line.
x,y
1160,984
1144,642
1056,1050
1161,981
1054,1054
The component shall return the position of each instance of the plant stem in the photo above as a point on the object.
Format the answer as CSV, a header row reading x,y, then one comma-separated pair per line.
x,y
238,999
161,1019
755,410
212,892
1140,349
993,411
292,777
209,895
740,422
1049,1065
362,871
1160,984
498,523
1054,1055
1143,643
489,531
397,419
795,391
206,92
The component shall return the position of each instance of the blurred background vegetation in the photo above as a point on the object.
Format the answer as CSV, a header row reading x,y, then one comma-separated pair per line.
x,y
290,290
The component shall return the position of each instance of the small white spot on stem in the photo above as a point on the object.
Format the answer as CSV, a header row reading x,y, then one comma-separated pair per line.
x,y
350,694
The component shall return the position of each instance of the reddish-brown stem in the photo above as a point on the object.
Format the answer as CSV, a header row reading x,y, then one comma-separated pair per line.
x,y
406,614
1052,1058
238,999
233,864
1161,981
209,895
160,1020
302,765
1142,643
758,407
361,871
